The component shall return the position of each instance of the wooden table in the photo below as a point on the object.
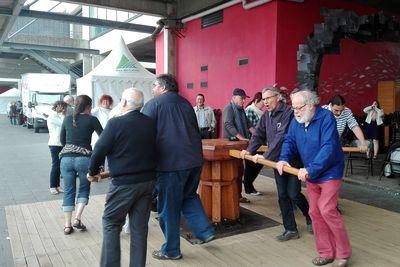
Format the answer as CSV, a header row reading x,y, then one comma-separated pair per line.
x,y
218,188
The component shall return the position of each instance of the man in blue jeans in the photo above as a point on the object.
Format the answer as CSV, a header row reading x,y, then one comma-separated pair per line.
x,y
179,162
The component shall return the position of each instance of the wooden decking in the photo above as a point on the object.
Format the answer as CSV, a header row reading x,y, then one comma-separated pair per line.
x,y
37,239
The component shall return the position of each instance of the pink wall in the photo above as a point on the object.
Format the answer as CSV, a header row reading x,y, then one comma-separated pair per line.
x,y
250,34
269,36
160,53
354,73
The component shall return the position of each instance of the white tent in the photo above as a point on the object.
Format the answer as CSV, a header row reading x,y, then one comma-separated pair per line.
x,y
118,71
8,96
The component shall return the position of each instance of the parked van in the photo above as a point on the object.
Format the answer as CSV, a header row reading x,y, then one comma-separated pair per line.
x,y
39,91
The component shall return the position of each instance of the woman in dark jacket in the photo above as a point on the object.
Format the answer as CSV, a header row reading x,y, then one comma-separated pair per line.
x,y
76,134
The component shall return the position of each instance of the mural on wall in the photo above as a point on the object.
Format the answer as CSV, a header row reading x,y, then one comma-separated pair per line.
x,y
362,79
358,80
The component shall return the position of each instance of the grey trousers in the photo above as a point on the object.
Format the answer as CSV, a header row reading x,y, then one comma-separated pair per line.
x,y
134,200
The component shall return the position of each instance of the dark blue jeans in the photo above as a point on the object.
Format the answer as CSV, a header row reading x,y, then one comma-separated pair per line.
x,y
289,190
177,193
55,166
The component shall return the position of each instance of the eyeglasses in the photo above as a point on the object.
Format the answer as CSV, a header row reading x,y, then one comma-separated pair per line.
x,y
156,84
299,108
268,98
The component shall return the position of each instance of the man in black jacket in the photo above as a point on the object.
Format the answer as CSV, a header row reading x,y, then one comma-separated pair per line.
x,y
129,142
179,163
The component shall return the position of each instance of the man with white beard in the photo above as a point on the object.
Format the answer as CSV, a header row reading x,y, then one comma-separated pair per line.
x,y
313,136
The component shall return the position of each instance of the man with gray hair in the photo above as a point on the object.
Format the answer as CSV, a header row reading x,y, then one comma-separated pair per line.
x,y
314,138
129,142
271,130
69,99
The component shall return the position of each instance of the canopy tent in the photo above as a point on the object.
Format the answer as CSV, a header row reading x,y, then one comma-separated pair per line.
x,y
8,96
118,71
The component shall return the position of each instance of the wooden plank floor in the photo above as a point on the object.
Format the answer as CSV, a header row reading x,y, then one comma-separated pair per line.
x,y
37,239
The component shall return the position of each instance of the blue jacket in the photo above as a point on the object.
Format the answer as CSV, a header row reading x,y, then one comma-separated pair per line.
x,y
178,138
318,146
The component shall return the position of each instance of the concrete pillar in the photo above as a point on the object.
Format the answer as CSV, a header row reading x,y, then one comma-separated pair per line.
x,y
169,44
169,52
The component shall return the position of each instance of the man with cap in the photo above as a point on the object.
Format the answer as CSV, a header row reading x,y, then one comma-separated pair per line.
x,y
236,126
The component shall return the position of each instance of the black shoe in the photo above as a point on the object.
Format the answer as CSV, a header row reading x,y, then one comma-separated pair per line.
x,y
68,230
79,225
287,235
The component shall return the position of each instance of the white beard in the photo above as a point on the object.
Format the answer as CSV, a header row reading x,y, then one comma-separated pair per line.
x,y
307,116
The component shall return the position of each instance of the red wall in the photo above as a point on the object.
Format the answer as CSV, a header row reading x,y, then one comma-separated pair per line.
x,y
160,53
354,73
269,36
250,34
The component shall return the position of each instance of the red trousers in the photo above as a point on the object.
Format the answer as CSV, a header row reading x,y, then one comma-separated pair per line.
x,y
331,239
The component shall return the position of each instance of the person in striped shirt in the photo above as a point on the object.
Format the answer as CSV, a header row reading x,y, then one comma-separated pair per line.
x,y
344,116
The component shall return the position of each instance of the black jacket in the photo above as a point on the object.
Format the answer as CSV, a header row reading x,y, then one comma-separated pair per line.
x,y
129,142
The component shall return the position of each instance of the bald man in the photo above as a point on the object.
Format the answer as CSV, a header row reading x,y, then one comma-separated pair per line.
x,y
129,142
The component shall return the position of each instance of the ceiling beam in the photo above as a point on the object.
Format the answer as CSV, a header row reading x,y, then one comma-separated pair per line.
x,y
86,21
150,7
20,46
9,21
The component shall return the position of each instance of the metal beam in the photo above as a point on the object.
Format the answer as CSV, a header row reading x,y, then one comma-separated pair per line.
x,y
18,46
51,64
87,21
6,11
150,7
9,22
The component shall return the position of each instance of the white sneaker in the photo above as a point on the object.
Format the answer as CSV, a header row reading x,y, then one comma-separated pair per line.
x,y
255,193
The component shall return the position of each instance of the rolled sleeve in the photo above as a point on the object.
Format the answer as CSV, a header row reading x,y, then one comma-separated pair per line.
x,y
351,121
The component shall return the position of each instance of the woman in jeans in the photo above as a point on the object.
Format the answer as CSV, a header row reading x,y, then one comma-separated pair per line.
x,y
54,122
76,134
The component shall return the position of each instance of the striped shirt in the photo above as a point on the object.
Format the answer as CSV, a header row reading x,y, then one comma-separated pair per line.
x,y
254,114
346,118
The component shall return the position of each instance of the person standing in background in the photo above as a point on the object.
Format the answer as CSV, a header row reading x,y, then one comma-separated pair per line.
x,y
373,121
237,127
205,117
69,99
54,122
254,109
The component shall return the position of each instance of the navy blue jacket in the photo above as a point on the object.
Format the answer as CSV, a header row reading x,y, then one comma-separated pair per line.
x,y
318,145
271,130
129,142
178,138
